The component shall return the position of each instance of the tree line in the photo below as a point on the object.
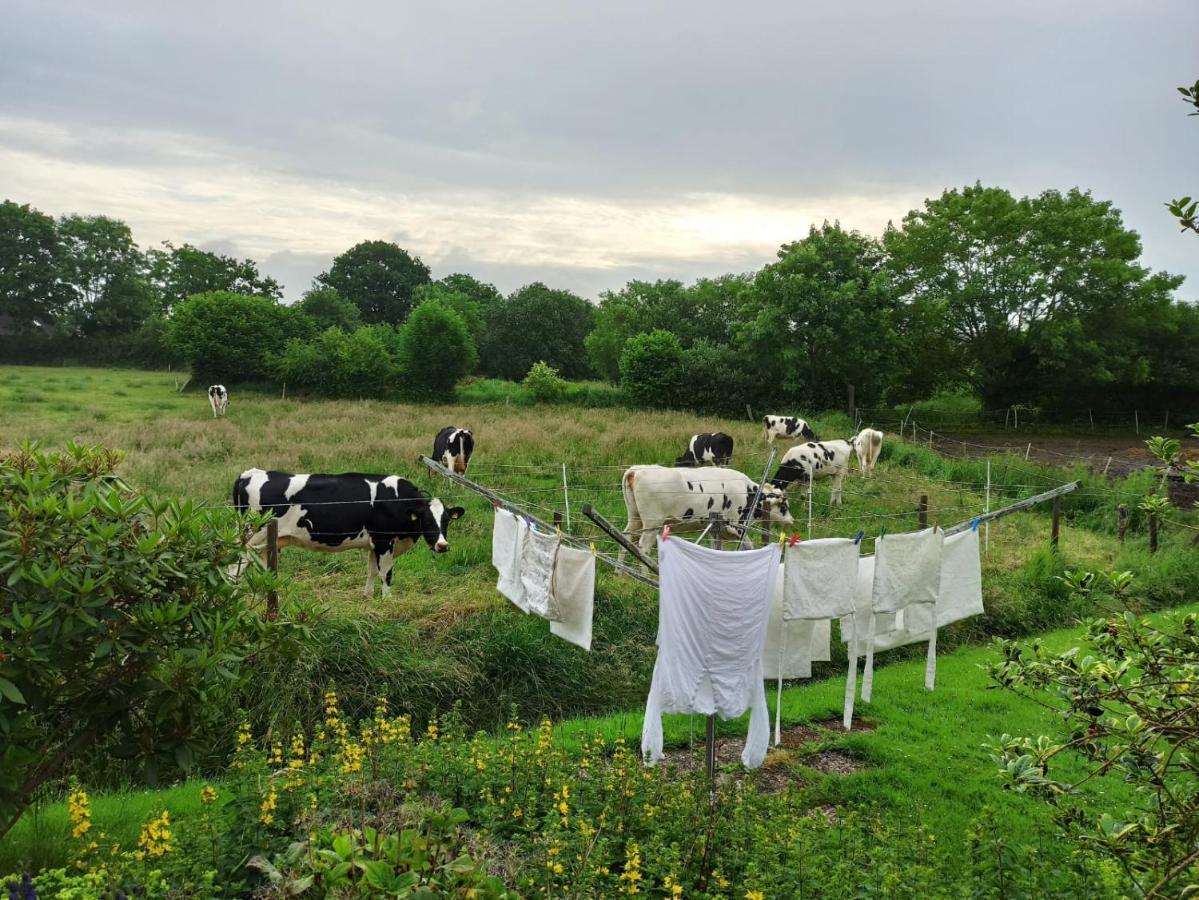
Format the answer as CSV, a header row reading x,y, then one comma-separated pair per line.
x,y
1041,301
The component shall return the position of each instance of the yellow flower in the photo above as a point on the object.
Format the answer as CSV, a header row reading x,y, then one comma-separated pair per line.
x,y
754,895
267,808
155,839
80,812
676,890
208,794
558,868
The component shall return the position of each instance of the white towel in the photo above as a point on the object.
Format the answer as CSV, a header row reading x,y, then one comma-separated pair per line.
x,y
574,593
507,537
537,554
792,645
961,593
907,575
713,610
820,578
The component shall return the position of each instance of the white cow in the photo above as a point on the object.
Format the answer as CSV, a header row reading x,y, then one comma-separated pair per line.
x,y
787,427
218,399
867,445
685,498
813,461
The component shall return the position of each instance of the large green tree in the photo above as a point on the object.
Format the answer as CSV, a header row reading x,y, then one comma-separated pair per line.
x,y
107,275
379,278
329,309
32,292
436,351
1022,288
537,323
179,272
821,318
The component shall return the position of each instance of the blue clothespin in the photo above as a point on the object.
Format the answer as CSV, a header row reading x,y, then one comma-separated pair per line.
x,y
974,525
858,539
883,533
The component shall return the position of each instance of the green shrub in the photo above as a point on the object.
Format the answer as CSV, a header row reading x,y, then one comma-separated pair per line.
x,y
228,337
329,309
336,364
544,384
436,351
954,405
651,369
117,619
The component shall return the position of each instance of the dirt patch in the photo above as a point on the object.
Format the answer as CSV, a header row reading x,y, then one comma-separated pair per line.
x,y
1126,453
855,725
831,762
775,775
798,735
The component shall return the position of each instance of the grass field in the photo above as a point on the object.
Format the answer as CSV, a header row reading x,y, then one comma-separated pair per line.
x,y
445,636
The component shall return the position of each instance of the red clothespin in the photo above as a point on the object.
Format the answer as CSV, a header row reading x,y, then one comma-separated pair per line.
x,y
665,532
495,503
794,539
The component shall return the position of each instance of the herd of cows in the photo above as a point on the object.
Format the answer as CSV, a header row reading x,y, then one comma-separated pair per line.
x,y
387,515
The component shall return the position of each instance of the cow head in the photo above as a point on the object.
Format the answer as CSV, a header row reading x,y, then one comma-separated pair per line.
x,y
435,523
773,505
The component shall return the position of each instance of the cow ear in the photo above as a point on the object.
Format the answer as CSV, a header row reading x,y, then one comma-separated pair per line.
x,y
457,512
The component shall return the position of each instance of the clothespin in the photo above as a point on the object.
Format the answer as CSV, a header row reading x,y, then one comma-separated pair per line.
x,y
593,548
495,503
858,539
665,532
794,539
782,538
882,533
974,524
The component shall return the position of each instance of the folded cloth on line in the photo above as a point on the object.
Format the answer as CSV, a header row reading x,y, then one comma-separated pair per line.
x,y
537,554
819,578
793,645
713,610
961,591
507,537
574,595
907,576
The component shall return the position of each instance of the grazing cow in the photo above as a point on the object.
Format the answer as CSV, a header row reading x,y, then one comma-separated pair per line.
x,y
452,448
788,427
218,399
709,448
384,514
813,461
867,445
656,495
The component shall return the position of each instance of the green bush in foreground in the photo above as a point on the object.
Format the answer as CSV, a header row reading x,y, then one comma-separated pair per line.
x,y
117,622
544,384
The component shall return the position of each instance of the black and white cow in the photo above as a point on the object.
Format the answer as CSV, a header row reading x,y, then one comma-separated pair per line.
x,y
707,449
813,461
218,399
787,427
867,445
452,448
385,514
657,495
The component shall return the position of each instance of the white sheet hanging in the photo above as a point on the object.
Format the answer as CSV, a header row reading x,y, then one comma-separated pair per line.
x,y
792,645
961,591
820,577
574,594
907,576
537,553
713,610
507,538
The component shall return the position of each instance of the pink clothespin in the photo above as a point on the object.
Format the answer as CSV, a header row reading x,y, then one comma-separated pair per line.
x,y
794,539
665,532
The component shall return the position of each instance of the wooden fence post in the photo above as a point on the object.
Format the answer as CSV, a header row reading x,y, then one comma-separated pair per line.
x,y
272,563
1057,521
1121,521
922,511
1153,532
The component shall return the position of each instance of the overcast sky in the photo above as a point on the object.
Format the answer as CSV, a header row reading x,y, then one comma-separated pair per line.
x,y
584,144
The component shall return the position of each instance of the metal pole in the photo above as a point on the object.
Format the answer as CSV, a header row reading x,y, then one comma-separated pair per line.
x,y
710,736
566,496
748,518
272,563
987,509
1136,418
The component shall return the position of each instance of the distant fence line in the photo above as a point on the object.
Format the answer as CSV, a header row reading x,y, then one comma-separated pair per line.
x,y
1016,418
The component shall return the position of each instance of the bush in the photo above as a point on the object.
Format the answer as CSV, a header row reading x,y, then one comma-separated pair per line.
x,y
949,405
336,364
544,384
719,382
117,621
436,352
329,309
228,337
651,369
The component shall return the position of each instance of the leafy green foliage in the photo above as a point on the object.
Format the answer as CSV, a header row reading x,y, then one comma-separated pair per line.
x,y
379,278
467,308
107,274
229,337
337,364
1184,209
436,351
329,309
118,622
652,370
536,323
31,262
180,272
544,384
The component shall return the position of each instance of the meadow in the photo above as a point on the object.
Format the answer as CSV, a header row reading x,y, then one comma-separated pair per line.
x,y
444,637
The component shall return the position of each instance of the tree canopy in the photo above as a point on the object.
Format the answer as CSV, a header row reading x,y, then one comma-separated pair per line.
x,y
537,323
379,278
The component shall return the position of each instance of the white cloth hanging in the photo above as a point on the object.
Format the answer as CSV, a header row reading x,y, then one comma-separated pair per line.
x,y
907,576
792,645
961,592
507,538
574,595
712,614
819,578
537,553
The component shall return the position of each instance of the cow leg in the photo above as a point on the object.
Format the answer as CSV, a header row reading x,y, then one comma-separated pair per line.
x,y
838,479
372,569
